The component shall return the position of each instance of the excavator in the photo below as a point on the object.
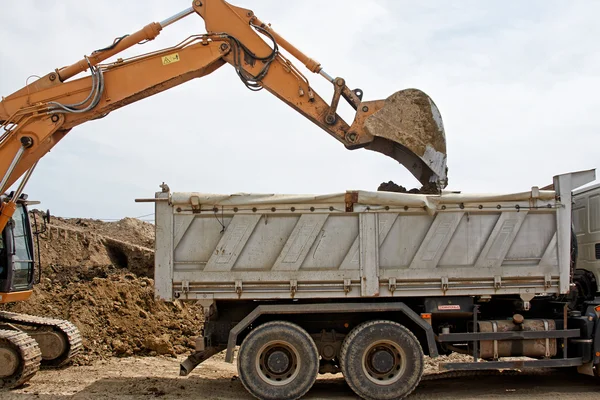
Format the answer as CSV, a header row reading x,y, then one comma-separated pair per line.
x,y
406,126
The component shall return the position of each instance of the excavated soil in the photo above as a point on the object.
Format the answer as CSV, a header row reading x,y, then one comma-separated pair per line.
x,y
127,244
98,275
392,186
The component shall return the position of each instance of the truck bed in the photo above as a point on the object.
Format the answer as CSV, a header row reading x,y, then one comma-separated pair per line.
x,y
361,244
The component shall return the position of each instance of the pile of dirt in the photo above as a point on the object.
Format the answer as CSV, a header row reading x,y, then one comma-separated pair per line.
x,y
127,244
98,275
130,230
391,186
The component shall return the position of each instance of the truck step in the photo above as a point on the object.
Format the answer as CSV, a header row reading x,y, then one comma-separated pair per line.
x,y
512,365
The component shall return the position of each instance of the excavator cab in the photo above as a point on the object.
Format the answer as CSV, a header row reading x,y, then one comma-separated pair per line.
x,y
16,253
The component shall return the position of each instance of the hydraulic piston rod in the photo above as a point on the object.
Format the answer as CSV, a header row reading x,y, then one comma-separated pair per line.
x,y
177,17
11,168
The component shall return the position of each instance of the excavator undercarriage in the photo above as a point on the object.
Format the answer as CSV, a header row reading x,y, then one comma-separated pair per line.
x,y
28,342
59,340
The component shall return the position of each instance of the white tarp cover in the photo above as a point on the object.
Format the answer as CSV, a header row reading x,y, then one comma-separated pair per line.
x,y
364,198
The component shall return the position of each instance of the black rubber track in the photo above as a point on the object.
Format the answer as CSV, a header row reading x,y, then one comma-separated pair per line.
x,y
29,353
65,328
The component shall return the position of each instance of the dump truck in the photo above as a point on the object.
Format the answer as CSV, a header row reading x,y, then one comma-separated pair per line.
x,y
368,283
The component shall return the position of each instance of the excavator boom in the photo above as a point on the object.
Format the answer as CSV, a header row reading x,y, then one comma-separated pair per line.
x,y
406,126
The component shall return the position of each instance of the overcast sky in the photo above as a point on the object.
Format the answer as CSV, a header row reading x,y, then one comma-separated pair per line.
x,y
516,82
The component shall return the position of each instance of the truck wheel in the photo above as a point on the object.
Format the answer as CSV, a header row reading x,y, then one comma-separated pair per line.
x,y
278,361
381,360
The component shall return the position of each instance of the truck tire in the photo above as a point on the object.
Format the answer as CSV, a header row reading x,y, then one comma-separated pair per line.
x,y
278,361
381,360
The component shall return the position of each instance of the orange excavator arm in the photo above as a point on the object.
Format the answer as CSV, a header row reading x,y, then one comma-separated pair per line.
x,y
406,126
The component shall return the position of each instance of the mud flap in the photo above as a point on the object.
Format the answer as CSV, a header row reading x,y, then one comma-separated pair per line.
x,y
196,359
586,369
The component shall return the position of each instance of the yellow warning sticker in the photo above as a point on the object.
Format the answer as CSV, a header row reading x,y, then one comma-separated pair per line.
x,y
170,59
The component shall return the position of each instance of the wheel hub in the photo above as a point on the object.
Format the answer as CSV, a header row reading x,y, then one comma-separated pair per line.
x,y
9,362
277,363
382,361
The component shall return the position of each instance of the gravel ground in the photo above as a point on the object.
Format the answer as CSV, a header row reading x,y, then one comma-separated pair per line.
x,y
148,377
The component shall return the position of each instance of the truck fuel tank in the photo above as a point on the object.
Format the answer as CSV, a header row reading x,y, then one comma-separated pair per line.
x,y
535,348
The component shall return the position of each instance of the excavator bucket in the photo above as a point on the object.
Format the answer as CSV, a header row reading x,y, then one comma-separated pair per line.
x,y
409,129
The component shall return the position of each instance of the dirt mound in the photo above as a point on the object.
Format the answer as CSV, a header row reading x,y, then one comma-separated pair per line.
x,y
128,230
98,276
394,187
127,244
117,314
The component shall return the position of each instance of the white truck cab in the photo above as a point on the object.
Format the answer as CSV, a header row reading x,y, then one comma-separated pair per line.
x,y
586,224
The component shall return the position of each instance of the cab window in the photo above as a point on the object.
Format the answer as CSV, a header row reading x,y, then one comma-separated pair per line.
x,y
22,257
